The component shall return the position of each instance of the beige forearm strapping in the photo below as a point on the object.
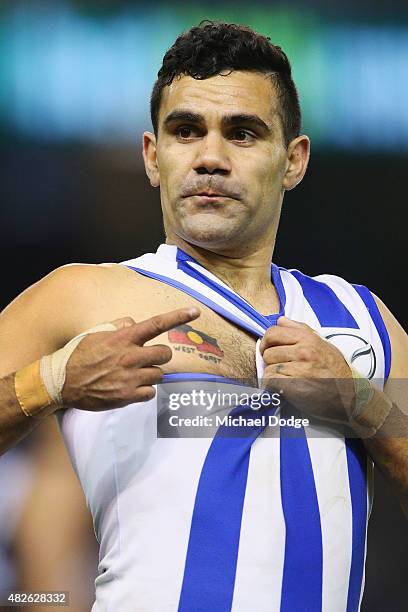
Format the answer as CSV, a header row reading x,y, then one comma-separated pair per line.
x,y
39,385
372,406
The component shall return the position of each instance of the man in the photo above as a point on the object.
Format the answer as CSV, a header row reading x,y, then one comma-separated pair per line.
x,y
256,521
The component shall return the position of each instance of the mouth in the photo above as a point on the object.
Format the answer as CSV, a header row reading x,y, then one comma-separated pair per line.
x,y
209,196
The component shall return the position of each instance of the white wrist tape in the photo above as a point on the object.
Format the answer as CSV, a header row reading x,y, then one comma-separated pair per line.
x,y
53,367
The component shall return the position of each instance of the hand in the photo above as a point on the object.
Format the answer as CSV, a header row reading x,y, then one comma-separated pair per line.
x,y
112,368
312,373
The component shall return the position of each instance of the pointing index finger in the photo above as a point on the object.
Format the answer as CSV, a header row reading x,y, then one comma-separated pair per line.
x,y
149,329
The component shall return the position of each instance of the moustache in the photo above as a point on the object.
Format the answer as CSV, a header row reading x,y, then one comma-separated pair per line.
x,y
215,189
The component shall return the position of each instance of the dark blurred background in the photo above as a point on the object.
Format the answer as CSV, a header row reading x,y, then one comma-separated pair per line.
x,y
75,80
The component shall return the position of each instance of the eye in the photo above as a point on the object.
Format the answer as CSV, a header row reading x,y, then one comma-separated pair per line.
x,y
185,132
242,135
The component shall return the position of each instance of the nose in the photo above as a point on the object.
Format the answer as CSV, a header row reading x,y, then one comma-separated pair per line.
x,y
212,157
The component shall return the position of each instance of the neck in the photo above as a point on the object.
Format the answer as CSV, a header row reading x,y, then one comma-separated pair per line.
x,y
248,274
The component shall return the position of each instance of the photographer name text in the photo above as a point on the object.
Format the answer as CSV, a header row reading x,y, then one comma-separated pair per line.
x,y
237,421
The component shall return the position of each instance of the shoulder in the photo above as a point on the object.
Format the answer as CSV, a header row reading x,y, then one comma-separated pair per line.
x,y
316,280
65,286
335,301
322,282
66,301
325,285
78,282
358,298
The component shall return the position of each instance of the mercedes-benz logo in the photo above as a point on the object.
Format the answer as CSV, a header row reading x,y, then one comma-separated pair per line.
x,y
357,351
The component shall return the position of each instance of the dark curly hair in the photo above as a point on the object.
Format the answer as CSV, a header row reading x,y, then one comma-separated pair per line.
x,y
213,47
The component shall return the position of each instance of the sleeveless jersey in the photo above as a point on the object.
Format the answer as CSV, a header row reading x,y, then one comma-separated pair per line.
x,y
286,530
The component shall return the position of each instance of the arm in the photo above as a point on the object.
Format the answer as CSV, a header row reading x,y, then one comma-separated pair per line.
x,y
389,446
14,425
105,370
317,379
34,324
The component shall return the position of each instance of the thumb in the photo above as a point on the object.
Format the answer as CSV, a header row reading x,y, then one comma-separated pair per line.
x,y
123,322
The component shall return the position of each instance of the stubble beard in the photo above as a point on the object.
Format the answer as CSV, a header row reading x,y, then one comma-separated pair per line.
x,y
209,230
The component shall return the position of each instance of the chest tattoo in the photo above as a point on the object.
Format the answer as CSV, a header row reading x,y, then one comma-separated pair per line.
x,y
186,339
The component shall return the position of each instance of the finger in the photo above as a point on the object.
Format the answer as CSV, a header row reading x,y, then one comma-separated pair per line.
x,y
286,386
123,322
279,336
142,356
286,322
289,369
146,330
277,369
144,393
275,382
149,376
279,354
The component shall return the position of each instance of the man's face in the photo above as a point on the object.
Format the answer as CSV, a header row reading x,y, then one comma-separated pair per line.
x,y
221,160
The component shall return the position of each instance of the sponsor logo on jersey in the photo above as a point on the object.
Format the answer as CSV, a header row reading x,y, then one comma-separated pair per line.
x,y
358,352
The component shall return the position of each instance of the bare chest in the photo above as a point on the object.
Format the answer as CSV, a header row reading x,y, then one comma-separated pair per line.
x,y
209,344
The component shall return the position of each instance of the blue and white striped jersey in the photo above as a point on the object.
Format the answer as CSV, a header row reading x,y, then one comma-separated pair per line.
x,y
269,523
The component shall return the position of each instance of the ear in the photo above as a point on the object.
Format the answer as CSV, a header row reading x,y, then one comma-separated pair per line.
x,y
297,160
150,158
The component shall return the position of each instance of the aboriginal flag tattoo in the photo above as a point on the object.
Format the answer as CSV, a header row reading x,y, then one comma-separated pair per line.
x,y
185,334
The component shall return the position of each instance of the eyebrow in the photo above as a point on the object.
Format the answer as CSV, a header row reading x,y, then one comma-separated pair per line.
x,y
227,121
